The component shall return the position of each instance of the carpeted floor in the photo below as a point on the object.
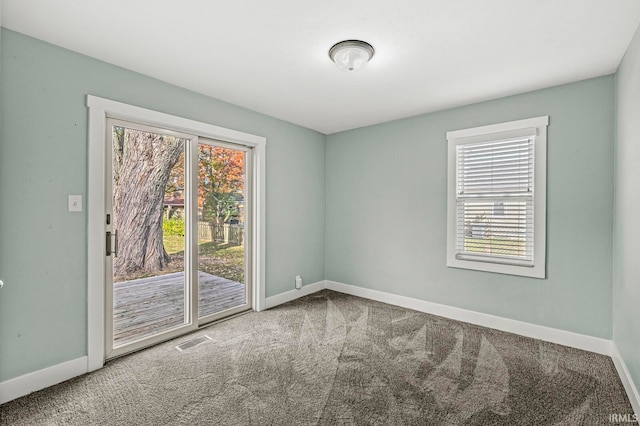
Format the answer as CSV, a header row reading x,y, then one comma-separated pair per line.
x,y
330,358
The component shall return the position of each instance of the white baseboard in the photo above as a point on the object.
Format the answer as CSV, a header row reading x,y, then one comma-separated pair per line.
x,y
566,338
288,296
548,334
627,381
23,385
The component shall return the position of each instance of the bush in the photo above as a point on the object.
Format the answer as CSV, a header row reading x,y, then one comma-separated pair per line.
x,y
173,226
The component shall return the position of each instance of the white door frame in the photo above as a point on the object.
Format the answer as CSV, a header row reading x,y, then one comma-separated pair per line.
x,y
99,110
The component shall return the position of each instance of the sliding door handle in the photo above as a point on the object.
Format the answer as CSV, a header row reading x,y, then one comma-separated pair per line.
x,y
112,243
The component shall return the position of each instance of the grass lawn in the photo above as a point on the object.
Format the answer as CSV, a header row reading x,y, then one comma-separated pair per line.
x,y
173,244
222,260
499,246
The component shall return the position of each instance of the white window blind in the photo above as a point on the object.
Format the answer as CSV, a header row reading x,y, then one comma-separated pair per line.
x,y
495,201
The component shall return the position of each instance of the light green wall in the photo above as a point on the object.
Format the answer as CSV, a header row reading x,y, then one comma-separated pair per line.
x,y
387,203
626,253
43,158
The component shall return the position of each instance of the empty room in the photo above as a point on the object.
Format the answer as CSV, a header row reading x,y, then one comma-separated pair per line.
x,y
318,213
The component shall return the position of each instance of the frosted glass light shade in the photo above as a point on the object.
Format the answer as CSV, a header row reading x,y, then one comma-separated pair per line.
x,y
351,55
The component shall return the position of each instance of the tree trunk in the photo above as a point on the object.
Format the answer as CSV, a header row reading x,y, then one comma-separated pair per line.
x,y
142,163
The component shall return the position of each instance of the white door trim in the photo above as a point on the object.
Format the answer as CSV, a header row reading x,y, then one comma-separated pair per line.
x,y
99,110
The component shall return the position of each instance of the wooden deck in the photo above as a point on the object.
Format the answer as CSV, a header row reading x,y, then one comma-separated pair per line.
x,y
147,306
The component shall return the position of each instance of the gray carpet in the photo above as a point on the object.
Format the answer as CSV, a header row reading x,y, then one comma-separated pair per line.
x,y
330,358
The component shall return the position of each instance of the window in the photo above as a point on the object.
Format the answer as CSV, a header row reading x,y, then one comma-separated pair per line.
x,y
497,198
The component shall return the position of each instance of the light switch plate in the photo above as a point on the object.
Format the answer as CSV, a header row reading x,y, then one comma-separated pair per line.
x,y
75,203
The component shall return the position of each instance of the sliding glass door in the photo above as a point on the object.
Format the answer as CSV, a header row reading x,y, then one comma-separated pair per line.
x,y
176,233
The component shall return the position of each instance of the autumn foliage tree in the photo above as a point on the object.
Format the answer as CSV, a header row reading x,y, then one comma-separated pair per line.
x,y
220,182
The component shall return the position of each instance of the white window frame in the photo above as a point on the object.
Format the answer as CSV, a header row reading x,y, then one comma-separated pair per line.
x,y
528,127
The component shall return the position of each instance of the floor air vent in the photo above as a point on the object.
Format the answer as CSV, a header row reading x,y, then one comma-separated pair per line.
x,y
191,343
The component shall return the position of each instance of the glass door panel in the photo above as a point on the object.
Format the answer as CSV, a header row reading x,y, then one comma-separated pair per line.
x,y
222,231
146,233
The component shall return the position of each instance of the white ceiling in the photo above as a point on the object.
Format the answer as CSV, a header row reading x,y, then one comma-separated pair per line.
x,y
272,56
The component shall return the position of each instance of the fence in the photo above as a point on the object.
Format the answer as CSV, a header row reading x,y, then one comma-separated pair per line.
x,y
225,233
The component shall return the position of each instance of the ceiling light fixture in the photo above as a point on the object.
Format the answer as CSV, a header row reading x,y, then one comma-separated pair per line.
x,y
351,55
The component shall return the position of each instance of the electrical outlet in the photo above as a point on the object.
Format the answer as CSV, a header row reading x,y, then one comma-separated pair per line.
x,y
298,282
